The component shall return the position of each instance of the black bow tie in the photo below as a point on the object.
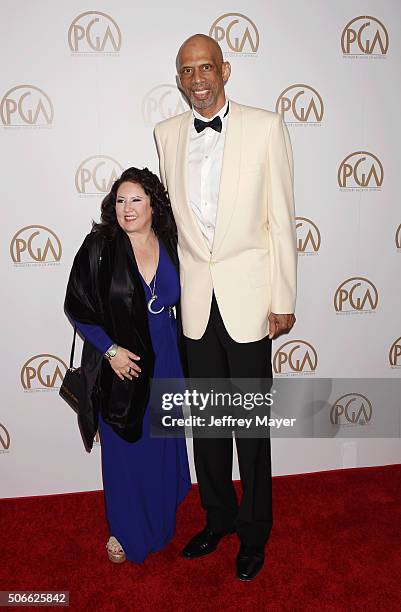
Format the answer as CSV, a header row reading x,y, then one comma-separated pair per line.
x,y
215,124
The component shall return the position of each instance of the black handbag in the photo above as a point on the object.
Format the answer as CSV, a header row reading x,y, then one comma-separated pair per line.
x,y
70,390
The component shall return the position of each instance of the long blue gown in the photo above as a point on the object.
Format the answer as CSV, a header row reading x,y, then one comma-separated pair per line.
x,y
144,481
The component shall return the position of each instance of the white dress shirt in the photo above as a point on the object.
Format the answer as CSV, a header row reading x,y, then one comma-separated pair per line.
x,y
205,160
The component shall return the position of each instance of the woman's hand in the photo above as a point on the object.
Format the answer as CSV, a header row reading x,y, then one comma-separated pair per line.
x,y
123,364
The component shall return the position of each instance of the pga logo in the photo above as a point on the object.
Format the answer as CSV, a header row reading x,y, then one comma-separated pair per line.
x,y
351,409
356,294
295,357
236,34
43,372
308,236
35,244
26,106
394,355
162,102
365,35
96,175
94,32
360,170
300,104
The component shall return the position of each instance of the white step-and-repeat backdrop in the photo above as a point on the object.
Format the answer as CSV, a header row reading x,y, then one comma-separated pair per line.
x,y
81,87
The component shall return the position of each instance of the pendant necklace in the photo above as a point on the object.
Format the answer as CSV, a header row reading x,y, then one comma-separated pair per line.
x,y
153,296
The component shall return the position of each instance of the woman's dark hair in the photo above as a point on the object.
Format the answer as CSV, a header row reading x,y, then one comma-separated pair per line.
x,y
162,218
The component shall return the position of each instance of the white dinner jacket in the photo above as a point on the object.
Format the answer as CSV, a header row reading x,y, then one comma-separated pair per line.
x,y
252,267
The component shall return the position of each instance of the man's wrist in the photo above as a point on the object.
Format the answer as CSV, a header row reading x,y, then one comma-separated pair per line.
x,y
111,352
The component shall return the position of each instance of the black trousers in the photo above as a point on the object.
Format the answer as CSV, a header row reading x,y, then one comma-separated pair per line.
x,y
217,355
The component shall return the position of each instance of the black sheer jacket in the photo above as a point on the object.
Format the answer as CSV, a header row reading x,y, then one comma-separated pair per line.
x,y
105,289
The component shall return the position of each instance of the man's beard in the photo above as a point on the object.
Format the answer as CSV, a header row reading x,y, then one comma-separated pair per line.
x,y
202,104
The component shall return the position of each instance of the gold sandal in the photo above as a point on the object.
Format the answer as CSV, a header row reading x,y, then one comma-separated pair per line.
x,y
115,550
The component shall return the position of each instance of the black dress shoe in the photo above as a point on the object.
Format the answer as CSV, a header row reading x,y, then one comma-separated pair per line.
x,y
203,543
249,562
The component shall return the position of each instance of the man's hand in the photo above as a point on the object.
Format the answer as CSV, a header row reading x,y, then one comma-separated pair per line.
x,y
280,324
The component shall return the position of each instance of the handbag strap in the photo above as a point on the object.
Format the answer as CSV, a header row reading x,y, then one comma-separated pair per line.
x,y
73,348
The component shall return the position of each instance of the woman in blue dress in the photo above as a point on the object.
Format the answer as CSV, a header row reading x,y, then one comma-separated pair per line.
x,y
121,295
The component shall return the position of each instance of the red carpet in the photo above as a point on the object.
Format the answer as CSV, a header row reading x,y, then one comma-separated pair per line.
x,y
336,545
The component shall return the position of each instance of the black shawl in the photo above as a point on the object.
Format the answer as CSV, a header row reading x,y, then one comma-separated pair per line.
x,y
105,289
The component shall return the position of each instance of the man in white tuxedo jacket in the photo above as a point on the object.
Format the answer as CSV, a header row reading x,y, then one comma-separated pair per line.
x,y
228,171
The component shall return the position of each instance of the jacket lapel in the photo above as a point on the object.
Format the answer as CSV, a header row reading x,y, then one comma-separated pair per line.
x,y
229,175
127,296
181,165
